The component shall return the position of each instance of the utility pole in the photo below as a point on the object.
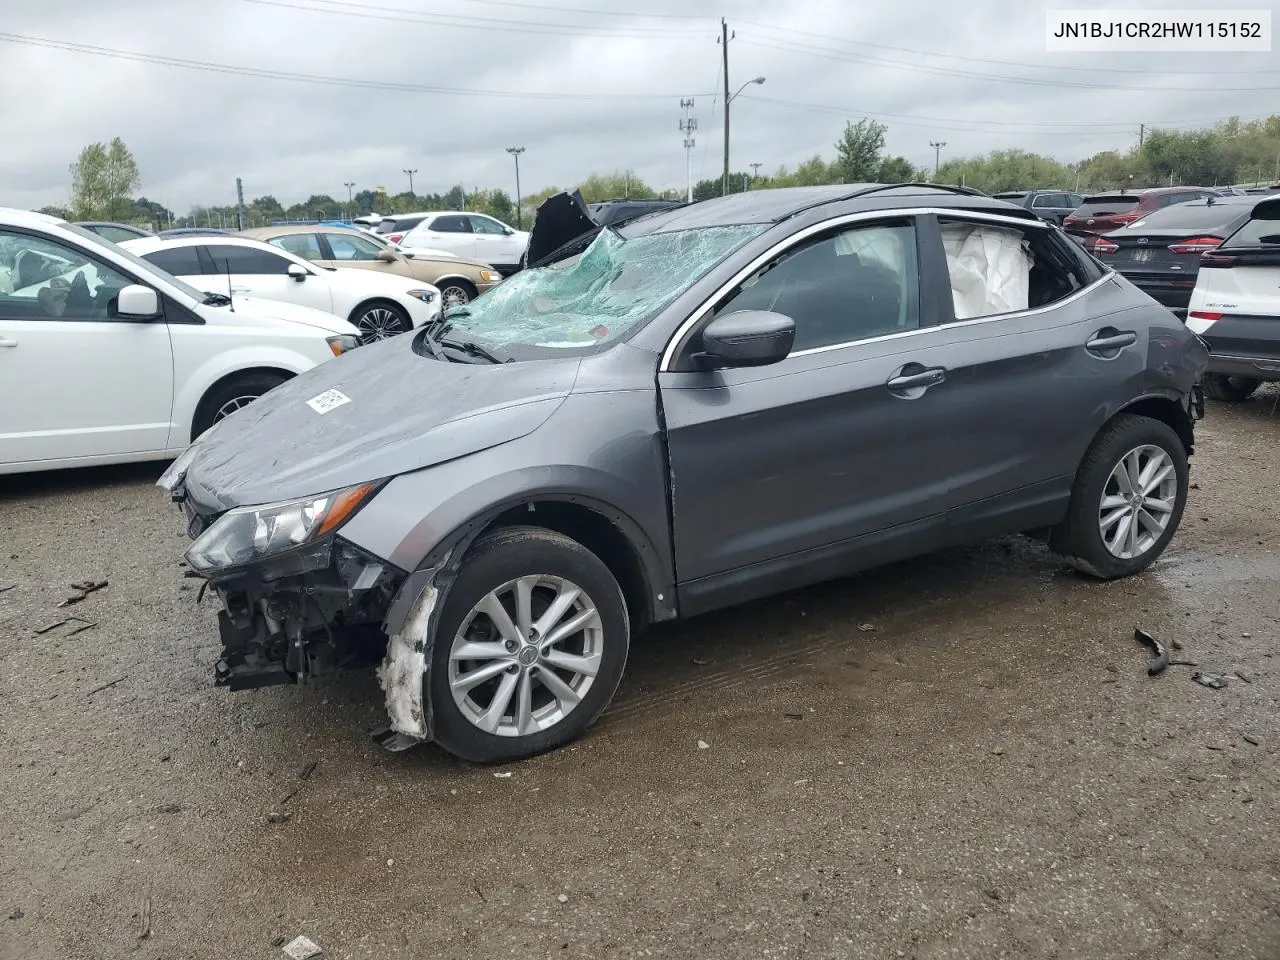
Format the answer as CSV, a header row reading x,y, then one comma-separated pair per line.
x,y
755,171
687,126
351,204
937,155
410,174
515,153
1142,135
724,50
239,204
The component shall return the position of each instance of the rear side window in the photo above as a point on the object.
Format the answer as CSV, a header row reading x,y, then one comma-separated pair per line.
x,y
179,261
451,225
997,268
405,224
1257,233
228,258
1106,206
305,245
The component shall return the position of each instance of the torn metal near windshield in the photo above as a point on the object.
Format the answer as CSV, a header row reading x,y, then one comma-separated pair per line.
x,y
589,299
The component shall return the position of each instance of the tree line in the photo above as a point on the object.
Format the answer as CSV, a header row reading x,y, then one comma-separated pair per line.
x,y
105,177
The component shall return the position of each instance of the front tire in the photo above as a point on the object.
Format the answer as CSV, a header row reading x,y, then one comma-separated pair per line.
x,y
1229,389
1128,498
530,648
230,395
380,320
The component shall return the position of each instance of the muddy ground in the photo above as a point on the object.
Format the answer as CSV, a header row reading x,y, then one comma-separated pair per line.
x,y
959,756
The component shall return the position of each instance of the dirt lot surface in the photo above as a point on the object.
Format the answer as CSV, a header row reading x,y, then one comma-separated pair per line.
x,y
959,756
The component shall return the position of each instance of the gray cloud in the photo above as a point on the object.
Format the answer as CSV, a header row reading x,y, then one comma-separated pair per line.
x,y
194,131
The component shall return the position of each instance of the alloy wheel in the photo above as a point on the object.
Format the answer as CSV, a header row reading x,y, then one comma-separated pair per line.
x,y
451,297
231,406
1138,501
526,655
379,323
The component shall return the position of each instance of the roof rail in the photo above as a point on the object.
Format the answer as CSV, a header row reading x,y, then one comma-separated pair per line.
x,y
880,188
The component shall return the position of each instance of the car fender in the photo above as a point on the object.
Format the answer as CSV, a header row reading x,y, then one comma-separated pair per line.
x,y
195,383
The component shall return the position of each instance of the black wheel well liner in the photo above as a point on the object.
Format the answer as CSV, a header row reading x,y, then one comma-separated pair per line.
x,y
1165,409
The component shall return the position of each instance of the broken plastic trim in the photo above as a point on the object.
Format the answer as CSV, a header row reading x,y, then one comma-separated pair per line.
x,y
404,672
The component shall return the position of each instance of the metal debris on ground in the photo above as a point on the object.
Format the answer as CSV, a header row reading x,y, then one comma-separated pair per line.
x,y
866,627
1184,663
82,590
300,948
1210,680
794,716
104,686
1162,655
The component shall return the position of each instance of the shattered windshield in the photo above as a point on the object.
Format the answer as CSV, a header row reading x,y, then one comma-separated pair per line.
x,y
592,300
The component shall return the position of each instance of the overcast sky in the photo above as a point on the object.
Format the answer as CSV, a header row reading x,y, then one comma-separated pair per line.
x,y
609,85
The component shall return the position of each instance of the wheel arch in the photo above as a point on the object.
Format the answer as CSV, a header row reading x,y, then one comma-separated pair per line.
x,y
1167,410
378,299
460,278
282,372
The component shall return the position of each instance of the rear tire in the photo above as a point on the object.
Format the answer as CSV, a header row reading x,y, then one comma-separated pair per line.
x,y
230,395
555,570
1133,477
1229,389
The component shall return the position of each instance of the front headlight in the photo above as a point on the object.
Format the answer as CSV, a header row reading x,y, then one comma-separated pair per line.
x,y
249,534
488,276
342,343
426,296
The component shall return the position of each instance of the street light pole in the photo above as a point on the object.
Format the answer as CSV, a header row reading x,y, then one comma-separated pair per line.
x,y
937,155
515,155
410,174
728,100
351,204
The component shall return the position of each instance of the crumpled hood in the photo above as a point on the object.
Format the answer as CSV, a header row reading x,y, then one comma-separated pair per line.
x,y
292,313
402,412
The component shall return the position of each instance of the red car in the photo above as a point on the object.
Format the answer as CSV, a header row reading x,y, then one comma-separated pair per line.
x,y
1110,211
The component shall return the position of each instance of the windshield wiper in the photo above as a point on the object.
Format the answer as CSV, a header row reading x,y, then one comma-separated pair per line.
x,y
472,350
216,299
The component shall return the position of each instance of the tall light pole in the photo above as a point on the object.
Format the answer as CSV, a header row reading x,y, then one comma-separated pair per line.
x,y
755,171
937,155
728,100
351,204
410,174
515,155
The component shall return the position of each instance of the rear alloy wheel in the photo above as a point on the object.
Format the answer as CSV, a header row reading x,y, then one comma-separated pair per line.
x,y
454,293
1128,498
530,646
380,321
1230,389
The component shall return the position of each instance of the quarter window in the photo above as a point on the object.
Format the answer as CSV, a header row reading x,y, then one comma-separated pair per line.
x,y
999,268
44,280
856,284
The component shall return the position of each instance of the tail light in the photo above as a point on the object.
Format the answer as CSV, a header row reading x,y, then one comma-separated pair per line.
x,y
1195,245
1125,217
1104,246
1203,315
1216,260
394,237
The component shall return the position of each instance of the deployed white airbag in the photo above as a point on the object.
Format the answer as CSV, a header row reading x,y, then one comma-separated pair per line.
x,y
990,269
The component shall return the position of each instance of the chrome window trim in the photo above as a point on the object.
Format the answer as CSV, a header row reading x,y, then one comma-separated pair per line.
x,y
696,317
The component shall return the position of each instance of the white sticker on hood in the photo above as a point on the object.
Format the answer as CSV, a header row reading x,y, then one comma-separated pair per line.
x,y
328,401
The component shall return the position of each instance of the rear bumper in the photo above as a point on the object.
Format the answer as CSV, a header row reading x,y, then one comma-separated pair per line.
x,y
1252,367
1171,293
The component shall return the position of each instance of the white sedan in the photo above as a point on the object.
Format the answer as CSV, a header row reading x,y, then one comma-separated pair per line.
x,y
472,236
380,305
105,359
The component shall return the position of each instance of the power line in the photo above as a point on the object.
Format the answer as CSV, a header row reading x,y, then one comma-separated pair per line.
x,y
1003,63
233,70
813,51
400,15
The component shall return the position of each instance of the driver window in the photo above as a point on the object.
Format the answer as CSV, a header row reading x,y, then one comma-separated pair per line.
x,y
44,280
859,283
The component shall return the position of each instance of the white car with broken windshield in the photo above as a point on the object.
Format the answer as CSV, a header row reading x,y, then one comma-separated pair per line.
x,y
105,359
379,305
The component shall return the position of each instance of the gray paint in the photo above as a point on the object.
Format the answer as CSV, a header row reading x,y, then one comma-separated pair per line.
x,y
769,477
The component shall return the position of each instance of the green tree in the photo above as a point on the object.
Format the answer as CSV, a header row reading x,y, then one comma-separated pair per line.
x,y
612,186
858,150
103,179
62,213
896,170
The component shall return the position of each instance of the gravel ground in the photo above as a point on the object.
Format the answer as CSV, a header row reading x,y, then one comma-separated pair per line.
x,y
959,756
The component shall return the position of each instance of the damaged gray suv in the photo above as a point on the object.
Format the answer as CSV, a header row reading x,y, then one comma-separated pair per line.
x,y
703,406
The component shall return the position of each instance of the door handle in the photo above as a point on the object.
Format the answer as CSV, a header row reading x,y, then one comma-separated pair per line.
x,y
918,379
1111,340
6,342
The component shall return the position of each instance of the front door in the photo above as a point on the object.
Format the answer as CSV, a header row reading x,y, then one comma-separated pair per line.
x,y
777,470
75,381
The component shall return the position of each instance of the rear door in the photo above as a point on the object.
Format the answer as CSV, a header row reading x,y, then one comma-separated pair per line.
x,y
74,380
448,232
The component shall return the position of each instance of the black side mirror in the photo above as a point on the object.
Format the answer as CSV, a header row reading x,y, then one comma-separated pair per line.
x,y
746,338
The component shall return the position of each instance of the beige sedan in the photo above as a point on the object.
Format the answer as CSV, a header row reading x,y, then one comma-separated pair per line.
x,y
459,281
